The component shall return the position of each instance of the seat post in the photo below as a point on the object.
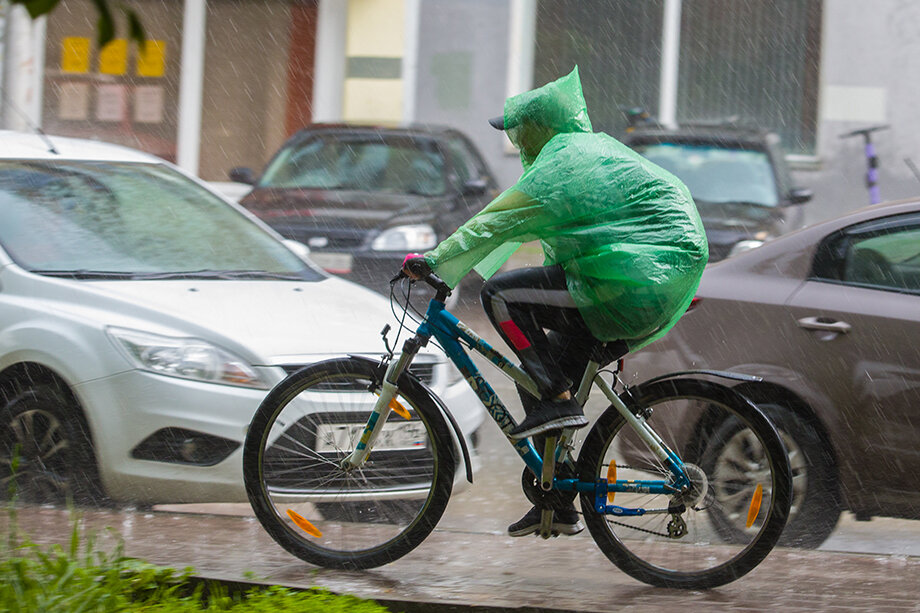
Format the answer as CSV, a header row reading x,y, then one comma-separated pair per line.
x,y
587,379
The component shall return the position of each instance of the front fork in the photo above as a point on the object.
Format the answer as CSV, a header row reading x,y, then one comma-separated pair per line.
x,y
382,407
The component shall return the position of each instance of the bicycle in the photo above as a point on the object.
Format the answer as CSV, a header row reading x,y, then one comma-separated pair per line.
x,y
349,463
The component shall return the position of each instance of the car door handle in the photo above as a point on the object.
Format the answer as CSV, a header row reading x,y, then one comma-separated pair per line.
x,y
825,324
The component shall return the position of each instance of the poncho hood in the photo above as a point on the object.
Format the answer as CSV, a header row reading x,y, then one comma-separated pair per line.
x,y
559,106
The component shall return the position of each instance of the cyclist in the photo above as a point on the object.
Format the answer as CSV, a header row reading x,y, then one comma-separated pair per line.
x,y
624,251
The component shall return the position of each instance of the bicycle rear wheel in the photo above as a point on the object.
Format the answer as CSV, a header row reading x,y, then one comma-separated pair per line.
x,y
352,519
726,522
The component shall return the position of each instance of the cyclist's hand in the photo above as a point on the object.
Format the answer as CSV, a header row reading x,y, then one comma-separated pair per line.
x,y
415,266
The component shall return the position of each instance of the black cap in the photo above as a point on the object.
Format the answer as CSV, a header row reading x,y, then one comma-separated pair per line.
x,y
498,122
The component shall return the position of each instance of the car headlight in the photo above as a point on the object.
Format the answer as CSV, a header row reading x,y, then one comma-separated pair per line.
x,y
416,237
745,245
186,358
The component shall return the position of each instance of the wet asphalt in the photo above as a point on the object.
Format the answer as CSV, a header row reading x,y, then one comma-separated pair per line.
x,y
476,570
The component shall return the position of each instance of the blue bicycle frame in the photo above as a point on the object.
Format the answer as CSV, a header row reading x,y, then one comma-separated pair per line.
x,y
451,333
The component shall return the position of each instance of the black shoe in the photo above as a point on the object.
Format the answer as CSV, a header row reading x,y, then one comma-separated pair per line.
x,y
551,416
565,522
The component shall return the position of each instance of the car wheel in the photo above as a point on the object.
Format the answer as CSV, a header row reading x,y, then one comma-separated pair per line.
x,y
815,494
815,505
46,454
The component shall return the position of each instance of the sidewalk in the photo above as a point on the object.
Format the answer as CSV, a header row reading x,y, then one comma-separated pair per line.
x,y
458,570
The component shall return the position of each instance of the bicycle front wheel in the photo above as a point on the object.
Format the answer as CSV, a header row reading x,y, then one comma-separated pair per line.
x,y
725,522
333,517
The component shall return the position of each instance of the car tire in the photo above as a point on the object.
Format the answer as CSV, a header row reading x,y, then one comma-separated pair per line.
x,y
816,505
46,453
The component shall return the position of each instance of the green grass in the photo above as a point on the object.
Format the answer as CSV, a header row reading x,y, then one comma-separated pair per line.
x,y
81,577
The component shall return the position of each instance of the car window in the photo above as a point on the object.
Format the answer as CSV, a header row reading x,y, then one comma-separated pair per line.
x,y
66,216
717,175
882,254
466,165
365,162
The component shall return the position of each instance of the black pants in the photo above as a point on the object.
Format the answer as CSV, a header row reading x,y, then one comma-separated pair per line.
x,y
534,313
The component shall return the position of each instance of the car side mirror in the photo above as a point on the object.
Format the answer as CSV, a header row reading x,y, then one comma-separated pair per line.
x,y
242,174
474,187
297,247
799,195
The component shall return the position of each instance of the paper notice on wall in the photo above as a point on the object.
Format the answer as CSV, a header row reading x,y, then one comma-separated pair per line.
x,y
73,101
151,59
113,58
75,54
111,102
148,103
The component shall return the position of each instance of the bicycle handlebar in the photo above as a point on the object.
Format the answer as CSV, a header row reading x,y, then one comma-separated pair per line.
x,y
442,290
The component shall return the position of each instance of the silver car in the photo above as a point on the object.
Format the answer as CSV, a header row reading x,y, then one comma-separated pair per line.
x,y
142,320
829,317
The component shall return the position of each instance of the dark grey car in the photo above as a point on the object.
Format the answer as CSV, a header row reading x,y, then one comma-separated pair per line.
x,y
829,316
738,178
362,197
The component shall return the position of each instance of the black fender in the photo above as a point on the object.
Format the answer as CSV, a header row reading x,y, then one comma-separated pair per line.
x,y
467,462
724,374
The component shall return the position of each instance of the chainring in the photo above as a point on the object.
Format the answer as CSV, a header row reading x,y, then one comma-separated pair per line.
x,y
553,499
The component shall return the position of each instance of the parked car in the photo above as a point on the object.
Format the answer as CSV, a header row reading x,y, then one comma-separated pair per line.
x,y
738,178
828,316
362,197
142,320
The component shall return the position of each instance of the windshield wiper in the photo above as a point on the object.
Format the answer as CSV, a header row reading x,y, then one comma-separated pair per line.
x,y
762,205
84,274
159,276
217,275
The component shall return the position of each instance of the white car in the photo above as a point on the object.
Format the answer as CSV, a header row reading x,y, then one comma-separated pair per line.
x,y
143,318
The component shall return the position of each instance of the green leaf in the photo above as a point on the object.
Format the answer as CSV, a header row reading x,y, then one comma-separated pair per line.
x,y
105,25
105,30
37,8
135,27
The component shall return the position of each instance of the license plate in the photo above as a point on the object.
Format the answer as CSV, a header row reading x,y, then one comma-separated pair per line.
x,y
332,262
395,436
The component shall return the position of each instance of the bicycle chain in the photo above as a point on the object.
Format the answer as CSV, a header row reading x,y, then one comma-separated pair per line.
x,y
637,528
646,530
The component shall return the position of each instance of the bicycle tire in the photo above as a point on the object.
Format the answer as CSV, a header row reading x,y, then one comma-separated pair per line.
x,y
291,455
705,423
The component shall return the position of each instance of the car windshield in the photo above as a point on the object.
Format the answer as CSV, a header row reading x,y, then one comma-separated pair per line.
x,y
718,175
365,162
125,220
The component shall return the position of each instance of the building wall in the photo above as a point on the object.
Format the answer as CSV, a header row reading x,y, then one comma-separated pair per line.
x,y
374,49
245,95
875,80
462,74
115,99
462,80
245,105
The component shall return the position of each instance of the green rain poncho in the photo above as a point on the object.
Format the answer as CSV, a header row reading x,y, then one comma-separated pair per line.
x,y
625,231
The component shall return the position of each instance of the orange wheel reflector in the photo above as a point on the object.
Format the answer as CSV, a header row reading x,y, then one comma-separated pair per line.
x,y
611,477
303,524
399,409
754,509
